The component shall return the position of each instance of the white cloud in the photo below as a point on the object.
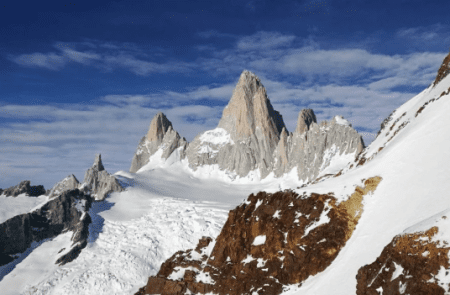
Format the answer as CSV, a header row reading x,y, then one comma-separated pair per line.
x,y
49,61
263,40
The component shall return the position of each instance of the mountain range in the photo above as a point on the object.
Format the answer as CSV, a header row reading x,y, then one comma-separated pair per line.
x,y
247,208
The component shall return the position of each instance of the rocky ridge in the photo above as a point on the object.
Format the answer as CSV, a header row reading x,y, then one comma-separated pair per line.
x,y
66,212
24,187
269,241
251,136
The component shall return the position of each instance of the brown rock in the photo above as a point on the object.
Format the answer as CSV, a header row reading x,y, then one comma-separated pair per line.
x,y
419,260
269,241
443,70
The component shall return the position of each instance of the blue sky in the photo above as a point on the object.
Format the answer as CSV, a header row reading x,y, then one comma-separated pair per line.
x,y
85,77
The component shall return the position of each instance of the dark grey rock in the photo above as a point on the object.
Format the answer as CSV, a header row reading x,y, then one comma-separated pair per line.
x,y
67,212
24,187
68,183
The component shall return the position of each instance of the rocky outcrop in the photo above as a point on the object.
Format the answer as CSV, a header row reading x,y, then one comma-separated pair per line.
x,y
247,133
68,183
24,187
98,182
443,71
412,263
67,212
160,136
269,241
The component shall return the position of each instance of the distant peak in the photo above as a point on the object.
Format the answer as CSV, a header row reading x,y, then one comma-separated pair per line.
x,y
98,162
247,73
250,108
158,127
305,118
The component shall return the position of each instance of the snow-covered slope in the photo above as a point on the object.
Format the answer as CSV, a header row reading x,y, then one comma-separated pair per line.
x,y
415,169
133,232
167,207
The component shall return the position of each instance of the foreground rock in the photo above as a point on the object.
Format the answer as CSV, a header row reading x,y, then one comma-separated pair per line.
x,y
412,263
270,241
98,182
67,212
24,187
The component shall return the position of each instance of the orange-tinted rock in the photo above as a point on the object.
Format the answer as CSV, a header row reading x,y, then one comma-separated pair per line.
x,y
407,265
269,241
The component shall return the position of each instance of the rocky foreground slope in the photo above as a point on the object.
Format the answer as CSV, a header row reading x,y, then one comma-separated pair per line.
x,y
270,241
251,136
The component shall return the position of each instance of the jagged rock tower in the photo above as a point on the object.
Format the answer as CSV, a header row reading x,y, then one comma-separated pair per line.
x,y
160,135
251,135
99,182
247,134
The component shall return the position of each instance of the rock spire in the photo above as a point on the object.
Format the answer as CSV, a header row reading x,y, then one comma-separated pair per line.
x,y
160,136
305,118
249,131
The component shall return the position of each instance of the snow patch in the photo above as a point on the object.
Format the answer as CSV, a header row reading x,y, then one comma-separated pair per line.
x,y
259,240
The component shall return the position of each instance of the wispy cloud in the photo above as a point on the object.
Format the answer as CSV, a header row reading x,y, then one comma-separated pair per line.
x,y
263,40
297,73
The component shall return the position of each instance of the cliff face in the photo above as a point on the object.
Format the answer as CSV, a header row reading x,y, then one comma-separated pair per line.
x,y
247,133
270,241
311,147
67,212
98,182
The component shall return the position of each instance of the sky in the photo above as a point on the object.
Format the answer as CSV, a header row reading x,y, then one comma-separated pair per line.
x,y
86,77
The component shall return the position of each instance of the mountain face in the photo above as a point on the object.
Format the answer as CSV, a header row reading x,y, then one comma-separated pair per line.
x,y
98,182
247,133
160,135
251,135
